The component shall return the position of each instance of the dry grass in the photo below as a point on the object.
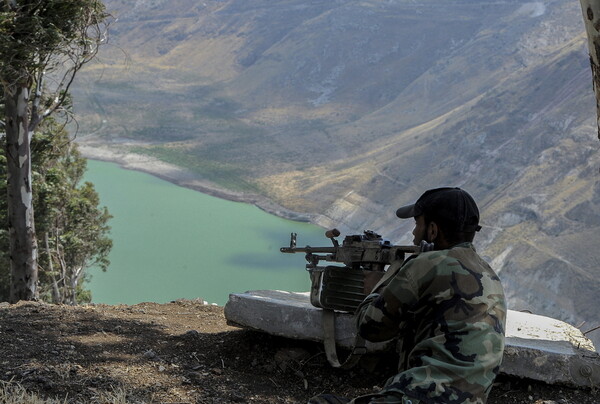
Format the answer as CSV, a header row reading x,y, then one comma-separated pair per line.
x,y
14,393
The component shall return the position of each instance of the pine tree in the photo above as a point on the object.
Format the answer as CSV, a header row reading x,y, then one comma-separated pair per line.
x,y
73,230
38,39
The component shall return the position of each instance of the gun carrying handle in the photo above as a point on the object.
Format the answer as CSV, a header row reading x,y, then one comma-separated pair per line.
x,y
332,233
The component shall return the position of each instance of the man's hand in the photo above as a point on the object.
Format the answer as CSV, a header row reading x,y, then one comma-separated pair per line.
x,y
371,279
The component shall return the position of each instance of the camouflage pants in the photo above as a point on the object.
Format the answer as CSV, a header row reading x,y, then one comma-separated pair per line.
x,y
368,399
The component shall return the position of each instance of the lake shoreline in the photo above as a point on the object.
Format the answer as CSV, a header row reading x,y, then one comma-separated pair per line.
x,y
172,242
184,178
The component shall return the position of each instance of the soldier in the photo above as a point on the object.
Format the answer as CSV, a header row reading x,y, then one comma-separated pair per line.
x,y
446,307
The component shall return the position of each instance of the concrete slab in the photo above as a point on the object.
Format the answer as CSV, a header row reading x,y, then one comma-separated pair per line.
x,y
537,347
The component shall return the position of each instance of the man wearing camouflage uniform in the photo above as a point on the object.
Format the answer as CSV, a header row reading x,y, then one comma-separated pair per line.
x,y
446,307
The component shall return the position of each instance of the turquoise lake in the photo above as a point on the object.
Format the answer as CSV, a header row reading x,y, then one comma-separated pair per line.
x,y
174,243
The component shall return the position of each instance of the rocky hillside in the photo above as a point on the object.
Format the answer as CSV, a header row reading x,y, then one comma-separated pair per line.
x,y
343,110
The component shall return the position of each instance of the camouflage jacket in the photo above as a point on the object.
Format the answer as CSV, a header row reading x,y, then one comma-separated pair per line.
x,y
448,310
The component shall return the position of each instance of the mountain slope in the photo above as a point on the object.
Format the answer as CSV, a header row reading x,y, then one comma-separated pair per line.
x,y
344,110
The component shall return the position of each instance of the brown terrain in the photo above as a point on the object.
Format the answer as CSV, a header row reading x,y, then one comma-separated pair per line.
x,y
184,352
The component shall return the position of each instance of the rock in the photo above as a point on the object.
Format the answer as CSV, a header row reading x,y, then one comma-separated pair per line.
x,y
537,347
288,356
192,334
150,354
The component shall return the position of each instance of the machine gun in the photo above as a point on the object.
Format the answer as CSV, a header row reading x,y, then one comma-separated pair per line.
x,y
342,287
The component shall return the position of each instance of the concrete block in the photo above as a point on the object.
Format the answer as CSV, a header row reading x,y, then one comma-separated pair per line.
x,y
537,347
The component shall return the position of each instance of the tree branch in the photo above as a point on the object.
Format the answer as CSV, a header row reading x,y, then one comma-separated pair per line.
x,y
37,98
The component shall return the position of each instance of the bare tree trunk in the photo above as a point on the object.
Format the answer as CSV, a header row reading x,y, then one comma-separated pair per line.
x,y
65,279
591,18
55,292
62,283
75,279
21,229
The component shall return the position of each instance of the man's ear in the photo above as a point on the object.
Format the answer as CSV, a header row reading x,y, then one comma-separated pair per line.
x,y
432,231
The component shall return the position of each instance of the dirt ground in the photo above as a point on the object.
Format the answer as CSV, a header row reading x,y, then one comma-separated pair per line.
x,y
184,352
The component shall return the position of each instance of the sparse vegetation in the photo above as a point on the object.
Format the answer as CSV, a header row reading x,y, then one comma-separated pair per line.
x,y
15,393
222,173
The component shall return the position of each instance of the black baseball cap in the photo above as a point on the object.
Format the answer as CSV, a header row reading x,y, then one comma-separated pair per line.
x,y
453,206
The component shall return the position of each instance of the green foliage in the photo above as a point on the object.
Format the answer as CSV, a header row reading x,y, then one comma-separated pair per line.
x,y
42,39
33,31
72,229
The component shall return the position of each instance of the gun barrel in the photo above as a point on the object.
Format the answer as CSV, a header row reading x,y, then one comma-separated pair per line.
x,y
308,249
